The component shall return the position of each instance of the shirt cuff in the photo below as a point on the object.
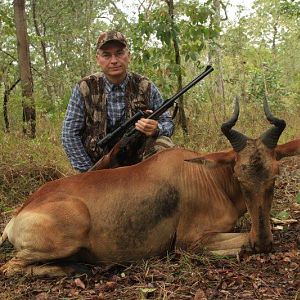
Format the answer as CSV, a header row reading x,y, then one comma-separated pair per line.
x,y
158,130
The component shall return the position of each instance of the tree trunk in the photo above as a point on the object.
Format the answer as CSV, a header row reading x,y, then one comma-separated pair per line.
x,y
28,104
218,98
43,47
89,50
182,117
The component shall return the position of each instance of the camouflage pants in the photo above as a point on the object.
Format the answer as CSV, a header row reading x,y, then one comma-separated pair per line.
x,y
154,145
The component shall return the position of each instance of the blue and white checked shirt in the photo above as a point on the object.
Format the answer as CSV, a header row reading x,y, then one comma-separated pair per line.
x,y
115,96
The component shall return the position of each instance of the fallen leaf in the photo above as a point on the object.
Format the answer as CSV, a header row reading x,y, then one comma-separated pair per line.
x,y
278,227
294,266
110,285
246,294
146,291
79,283
200,295
42,296
284,222
296,205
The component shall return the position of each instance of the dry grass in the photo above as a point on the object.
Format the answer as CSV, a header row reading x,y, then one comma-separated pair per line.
x,y
27,164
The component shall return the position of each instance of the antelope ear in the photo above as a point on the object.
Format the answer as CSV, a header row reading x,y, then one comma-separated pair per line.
x,y
288,149
215,159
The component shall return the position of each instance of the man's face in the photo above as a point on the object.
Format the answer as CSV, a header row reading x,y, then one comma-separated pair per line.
x,y
114,58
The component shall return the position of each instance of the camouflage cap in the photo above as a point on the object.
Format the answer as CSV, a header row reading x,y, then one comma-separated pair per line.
x,y
109,36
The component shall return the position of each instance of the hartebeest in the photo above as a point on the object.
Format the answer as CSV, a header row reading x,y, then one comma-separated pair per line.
x,y
176,198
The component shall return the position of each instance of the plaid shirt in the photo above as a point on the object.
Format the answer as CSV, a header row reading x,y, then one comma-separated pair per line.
x,y
115,95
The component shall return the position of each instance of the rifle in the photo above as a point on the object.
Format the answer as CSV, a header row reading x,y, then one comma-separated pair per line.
x,y
132,138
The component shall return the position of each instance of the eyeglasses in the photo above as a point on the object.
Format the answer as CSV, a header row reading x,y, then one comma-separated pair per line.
x,y
108,55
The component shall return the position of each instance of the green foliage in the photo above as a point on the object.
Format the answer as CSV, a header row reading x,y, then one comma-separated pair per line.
x,y
7,21
298,198
290,7
282,215
267,79
152,36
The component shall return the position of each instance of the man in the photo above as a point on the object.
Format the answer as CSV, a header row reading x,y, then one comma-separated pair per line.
x,y
102,101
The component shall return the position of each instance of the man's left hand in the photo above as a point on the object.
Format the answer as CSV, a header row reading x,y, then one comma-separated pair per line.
x,y
147,126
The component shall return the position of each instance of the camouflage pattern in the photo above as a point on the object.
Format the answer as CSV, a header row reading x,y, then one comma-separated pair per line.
x,y
137,97
156,144
109,36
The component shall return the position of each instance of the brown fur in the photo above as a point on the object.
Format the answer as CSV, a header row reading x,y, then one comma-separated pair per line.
x,y
131,213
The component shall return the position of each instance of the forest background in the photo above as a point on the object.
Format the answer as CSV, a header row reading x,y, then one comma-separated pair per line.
x,y
256,55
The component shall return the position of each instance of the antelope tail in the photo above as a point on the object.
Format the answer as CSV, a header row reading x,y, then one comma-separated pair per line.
x,y
4,236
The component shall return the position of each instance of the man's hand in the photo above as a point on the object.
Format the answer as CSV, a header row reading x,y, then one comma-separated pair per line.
x,y
147,126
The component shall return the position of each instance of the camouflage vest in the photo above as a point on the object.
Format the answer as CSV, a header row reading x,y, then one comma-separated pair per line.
x,y
137,97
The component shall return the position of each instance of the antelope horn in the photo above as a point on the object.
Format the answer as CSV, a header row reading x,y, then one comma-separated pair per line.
x,y
236,139
271,136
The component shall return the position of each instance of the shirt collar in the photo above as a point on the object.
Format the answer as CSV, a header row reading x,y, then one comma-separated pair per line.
x,y
113,87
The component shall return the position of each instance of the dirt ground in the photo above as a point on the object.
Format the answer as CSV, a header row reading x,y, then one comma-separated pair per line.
x,y
185,276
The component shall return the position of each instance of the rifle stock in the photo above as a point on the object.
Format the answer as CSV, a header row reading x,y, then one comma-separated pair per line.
x,y
105,162
127,151
113,158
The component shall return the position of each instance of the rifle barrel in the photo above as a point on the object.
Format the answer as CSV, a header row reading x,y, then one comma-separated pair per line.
x,y
169,103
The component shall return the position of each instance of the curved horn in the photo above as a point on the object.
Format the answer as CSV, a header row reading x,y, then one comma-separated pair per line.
x,y
236,139
271,136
